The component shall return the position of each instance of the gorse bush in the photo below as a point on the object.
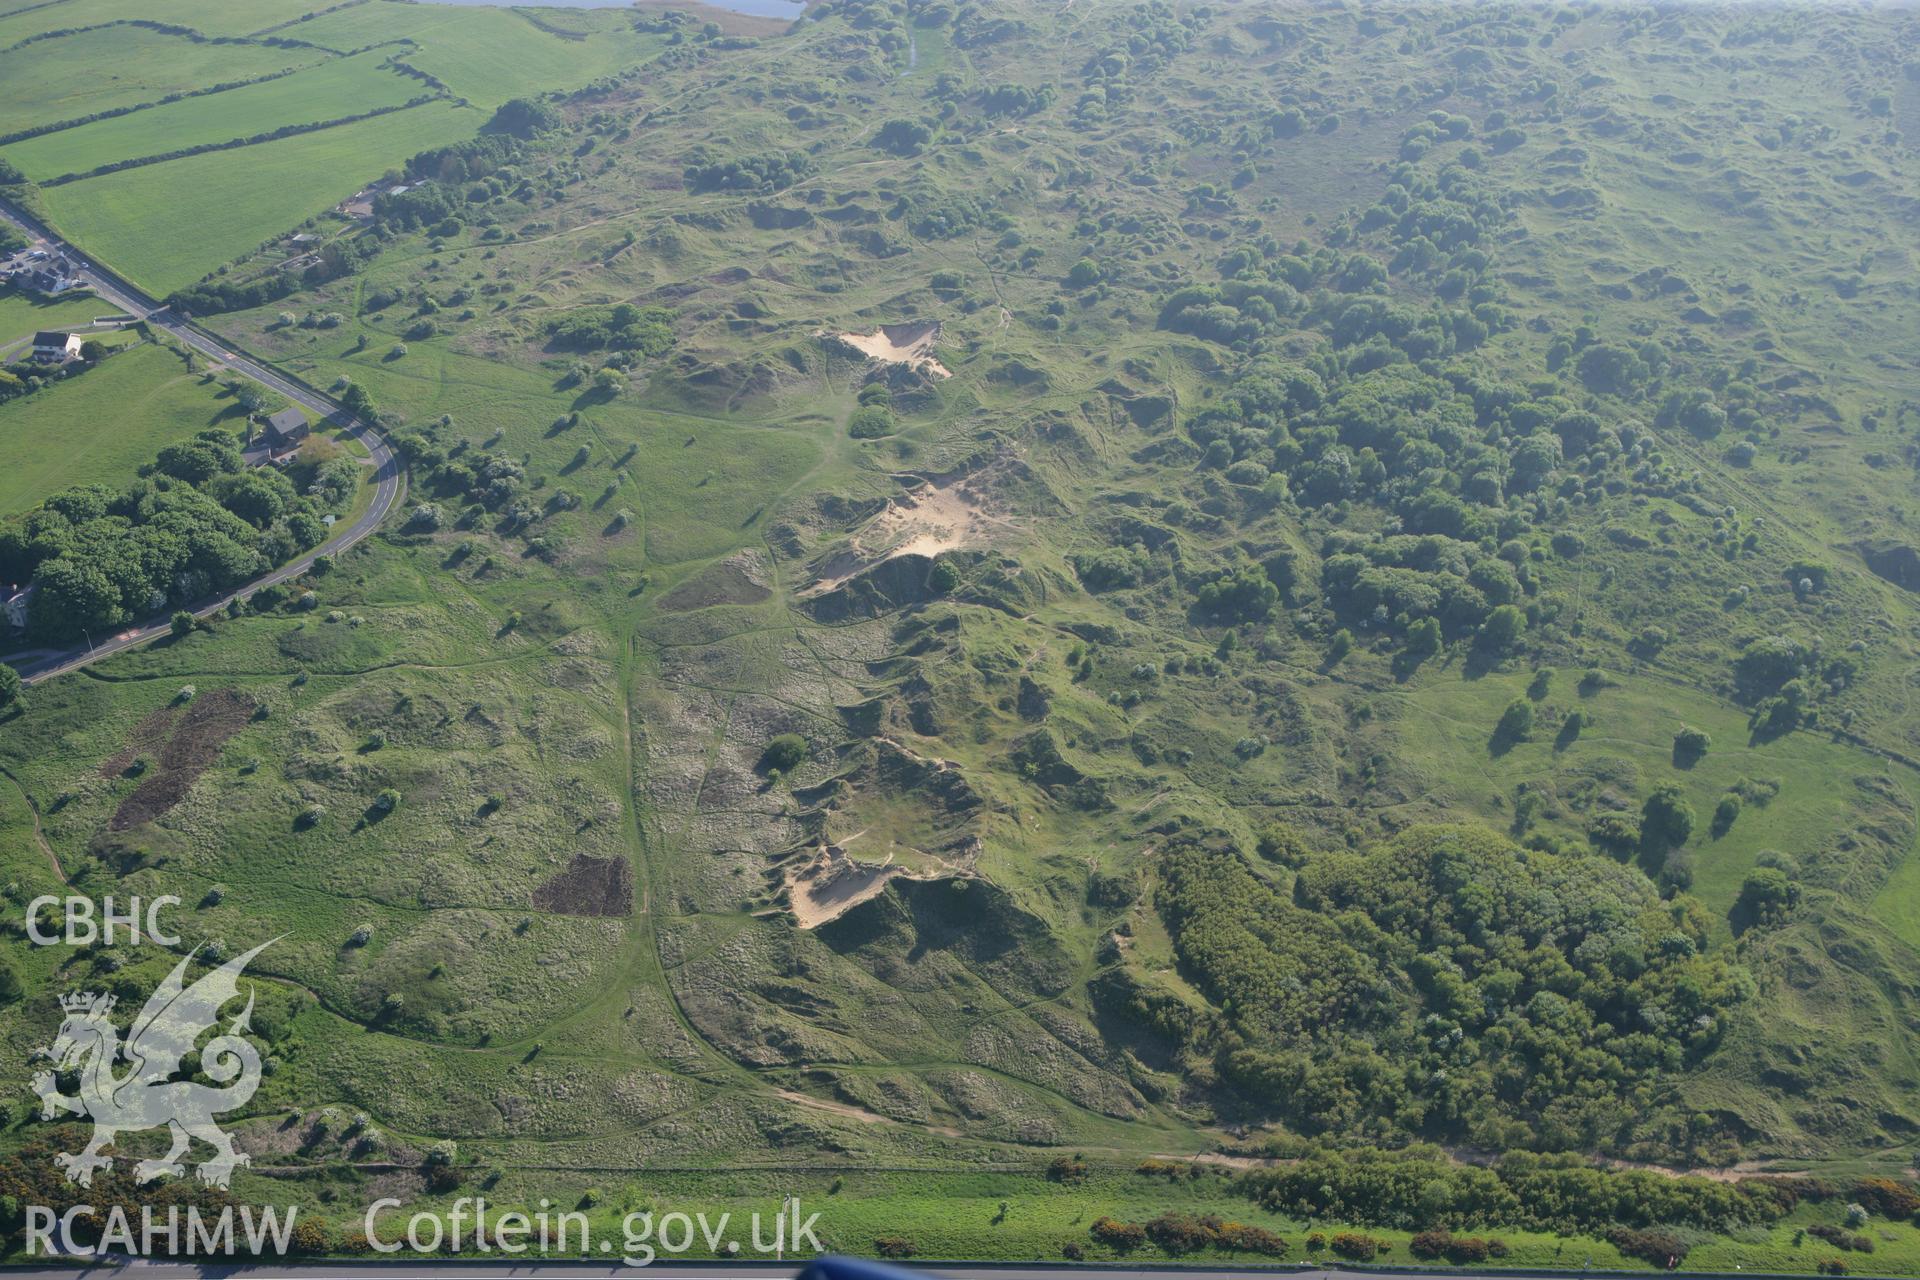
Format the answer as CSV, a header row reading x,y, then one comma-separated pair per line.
x,y
753,173
646,332
870,422
784,753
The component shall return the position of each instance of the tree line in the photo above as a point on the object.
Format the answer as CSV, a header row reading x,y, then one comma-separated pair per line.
x,y
197,521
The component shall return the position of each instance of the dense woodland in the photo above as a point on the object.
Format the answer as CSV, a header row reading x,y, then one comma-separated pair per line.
x,y
1450,985
198,522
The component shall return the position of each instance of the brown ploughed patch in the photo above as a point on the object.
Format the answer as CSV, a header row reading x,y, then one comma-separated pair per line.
x,y
199,731
588,887
144,740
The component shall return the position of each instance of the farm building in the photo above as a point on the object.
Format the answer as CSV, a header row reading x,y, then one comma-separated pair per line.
x,y
50,346
45,281
37,271
40,273
284,430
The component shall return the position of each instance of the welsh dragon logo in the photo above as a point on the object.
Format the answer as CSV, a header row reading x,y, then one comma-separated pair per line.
x,y
146,1095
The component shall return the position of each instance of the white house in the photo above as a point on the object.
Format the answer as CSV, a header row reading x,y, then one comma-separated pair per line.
x,y
54,347
15,606
46,281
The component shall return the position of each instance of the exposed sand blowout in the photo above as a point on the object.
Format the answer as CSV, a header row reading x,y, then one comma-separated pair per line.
x,y
924,521
831,884
907,344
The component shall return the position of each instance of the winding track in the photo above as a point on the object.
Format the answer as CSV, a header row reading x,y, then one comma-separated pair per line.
x,y
389,475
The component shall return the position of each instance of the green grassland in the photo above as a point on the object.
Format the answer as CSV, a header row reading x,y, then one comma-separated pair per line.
x,y
729,472
65,77
1014,1215
497,54
102,426
196,87
212,17
438,665
21,315
166,225
1058,646
486,54
1011,1215
1455,765
382,21
337,87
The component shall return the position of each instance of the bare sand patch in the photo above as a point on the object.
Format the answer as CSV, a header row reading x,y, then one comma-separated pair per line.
x,y
907,344
1225,1161
830,884
861,1114
855,1113
928,519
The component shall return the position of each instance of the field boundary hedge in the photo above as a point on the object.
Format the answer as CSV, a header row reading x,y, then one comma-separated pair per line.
x,y
166,29
234,144
114,113
309,16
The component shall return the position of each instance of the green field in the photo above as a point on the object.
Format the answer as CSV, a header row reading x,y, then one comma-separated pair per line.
x,y
1631,736
705,494
166,225
66,77
21,315
485,54
492,56
381,21
220,206
1014,1215
335,88
210,17
101,427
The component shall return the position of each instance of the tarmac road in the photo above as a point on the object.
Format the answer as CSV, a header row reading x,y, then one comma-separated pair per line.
x,y
389,476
